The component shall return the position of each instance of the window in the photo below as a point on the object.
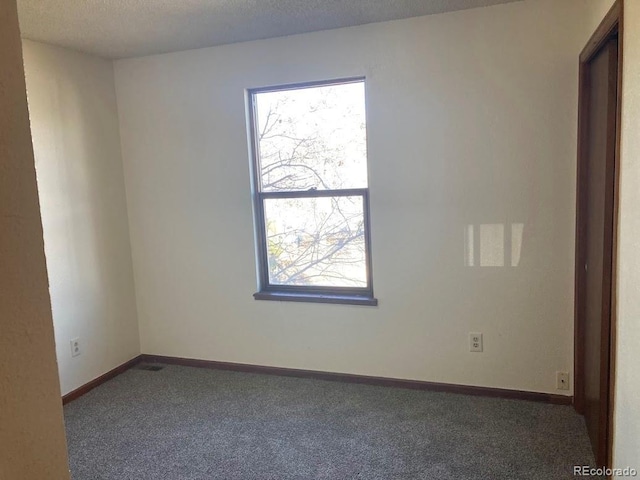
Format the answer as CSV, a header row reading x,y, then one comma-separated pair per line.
x,y
310,192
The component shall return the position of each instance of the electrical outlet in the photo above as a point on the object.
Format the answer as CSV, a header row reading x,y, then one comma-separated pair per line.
x,y
562,380
75,347
475,342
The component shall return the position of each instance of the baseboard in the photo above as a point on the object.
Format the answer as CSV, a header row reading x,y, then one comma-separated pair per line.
x,y
319,375
78,392
363,379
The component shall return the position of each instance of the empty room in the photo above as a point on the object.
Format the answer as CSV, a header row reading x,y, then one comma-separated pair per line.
x,y
305,239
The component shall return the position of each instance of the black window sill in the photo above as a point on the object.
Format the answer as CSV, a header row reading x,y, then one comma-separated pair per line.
x,y
316,298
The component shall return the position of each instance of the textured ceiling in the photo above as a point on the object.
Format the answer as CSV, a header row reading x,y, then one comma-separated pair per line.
x,y
128,28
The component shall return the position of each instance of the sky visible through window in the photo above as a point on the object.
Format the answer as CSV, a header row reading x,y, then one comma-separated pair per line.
x,y
314,139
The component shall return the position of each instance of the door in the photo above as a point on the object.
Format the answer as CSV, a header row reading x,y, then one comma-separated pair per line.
x,y
599,113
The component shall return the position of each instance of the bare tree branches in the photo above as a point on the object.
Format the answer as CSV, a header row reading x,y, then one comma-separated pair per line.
x,y
318,143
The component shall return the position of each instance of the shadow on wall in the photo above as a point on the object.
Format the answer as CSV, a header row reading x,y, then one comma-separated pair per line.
x,y
493,244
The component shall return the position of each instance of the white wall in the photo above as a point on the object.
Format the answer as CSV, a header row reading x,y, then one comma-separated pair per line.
x,y
76,140
471,121
627,395
597,10
32,437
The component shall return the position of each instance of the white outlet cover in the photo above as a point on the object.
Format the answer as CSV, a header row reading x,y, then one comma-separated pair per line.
x,y
75,347
475,342
562,380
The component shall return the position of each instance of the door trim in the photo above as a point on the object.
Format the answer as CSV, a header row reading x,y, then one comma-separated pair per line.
x,y
611,26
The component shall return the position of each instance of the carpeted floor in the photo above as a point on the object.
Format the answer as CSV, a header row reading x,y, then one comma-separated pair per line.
x,y
184,423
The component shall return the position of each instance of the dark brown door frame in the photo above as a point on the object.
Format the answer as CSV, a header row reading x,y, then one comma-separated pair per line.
x,y
610,27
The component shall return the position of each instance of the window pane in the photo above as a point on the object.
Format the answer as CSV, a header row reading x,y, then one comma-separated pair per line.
x,y
312,138
316,241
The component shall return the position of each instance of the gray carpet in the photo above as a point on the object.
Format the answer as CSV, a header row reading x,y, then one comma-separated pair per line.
x,y
184,423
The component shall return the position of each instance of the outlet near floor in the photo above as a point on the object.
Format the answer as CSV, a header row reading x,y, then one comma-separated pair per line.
x,y
562,380
475,342
75,347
